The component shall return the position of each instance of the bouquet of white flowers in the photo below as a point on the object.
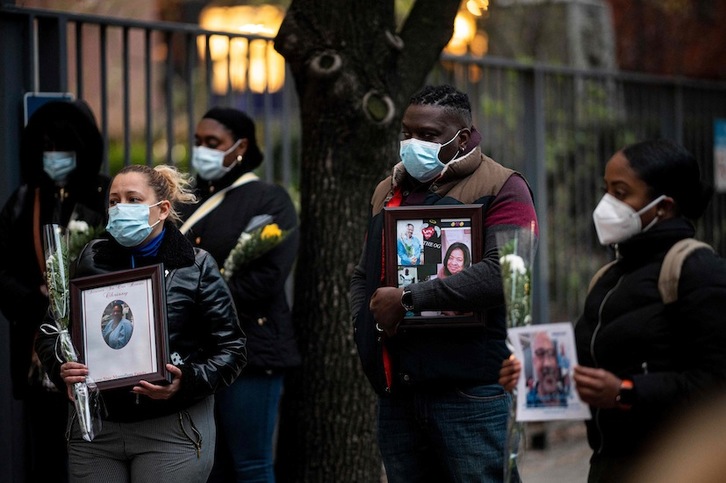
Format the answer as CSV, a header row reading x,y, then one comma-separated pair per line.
x,y
55,242
516,256
517,281
79,234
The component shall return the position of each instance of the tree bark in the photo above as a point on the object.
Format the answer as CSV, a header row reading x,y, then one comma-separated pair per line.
x,y
353,74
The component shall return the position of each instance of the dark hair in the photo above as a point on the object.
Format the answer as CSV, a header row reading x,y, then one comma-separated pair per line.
x,y
669,169
447,97
464,249
242,127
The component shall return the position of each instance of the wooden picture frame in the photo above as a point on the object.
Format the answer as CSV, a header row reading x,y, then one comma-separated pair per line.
x,y
121,351
435,230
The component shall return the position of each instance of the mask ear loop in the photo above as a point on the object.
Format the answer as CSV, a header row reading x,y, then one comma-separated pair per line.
x,y
233,147
650,205
669,208
150,207
458,150
237,160
658,212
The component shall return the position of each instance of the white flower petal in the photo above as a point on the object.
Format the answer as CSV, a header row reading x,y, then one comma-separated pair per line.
x,y
514,262
78,226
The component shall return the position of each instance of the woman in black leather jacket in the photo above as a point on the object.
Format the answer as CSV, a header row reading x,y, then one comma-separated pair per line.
x,y
165,430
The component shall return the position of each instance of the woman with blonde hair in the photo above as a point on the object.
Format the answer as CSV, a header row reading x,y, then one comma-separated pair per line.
x,y
163,433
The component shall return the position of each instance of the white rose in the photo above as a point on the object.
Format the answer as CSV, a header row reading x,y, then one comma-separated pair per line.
x,y
514,262
79,226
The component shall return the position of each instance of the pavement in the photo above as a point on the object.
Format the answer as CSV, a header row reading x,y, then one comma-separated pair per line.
x,y
555,452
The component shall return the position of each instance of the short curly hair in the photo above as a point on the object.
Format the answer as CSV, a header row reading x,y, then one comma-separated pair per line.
x,y
447,97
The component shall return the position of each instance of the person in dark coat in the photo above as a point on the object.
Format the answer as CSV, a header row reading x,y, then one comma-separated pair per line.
x,y
642,361
61,151
232,197
441,414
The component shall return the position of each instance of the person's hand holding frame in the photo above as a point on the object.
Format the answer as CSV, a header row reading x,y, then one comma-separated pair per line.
x,y
432,224
143,352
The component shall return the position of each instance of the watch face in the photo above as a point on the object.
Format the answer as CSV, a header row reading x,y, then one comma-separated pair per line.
x,y
407,300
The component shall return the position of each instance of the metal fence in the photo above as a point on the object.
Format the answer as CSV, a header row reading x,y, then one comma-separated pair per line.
x,y
149,83
559,126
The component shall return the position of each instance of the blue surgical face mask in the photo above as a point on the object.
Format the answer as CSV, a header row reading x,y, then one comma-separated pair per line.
x,y
209,163
421,158
128,223
59,164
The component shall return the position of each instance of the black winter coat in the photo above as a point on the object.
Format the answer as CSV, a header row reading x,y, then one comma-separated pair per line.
x,y
202,324
258,289
675,354
82,198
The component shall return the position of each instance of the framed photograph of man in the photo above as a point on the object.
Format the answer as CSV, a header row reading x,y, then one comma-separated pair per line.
x,y
119,326
545,391
427,242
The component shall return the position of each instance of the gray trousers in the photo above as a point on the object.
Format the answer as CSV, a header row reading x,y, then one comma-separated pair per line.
x,y
175,449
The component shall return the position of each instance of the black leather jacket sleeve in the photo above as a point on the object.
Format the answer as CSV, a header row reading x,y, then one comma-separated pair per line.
x,y
222,353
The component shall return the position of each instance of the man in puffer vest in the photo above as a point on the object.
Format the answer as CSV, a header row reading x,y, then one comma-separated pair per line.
x,y
442,416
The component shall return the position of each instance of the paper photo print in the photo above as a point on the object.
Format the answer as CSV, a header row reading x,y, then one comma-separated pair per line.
x,y
546,391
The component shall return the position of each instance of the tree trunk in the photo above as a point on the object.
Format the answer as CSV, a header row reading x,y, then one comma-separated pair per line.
x,y
353,75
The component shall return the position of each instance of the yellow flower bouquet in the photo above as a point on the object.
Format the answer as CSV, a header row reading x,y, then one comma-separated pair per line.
x,y
259,237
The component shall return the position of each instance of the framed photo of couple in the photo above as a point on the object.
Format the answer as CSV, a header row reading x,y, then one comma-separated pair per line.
x,y
427,242
119,326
